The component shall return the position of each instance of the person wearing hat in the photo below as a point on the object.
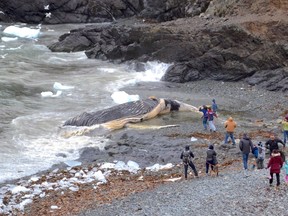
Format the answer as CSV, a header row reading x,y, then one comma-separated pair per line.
x,y
230,126
285,129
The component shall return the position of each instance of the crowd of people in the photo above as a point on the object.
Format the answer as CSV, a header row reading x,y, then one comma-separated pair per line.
x,y
276,159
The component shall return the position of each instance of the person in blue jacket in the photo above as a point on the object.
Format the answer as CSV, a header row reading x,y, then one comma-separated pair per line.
x,y
204,117
214,106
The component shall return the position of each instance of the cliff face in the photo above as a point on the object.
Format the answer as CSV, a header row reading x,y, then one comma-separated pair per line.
x,y
231,41
87,11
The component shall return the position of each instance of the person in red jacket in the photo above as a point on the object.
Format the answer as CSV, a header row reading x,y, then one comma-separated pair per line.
x,y
275,164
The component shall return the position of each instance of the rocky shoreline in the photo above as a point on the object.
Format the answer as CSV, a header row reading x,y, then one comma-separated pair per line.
x,y
254,110
236,53
222,49
247,104
228,194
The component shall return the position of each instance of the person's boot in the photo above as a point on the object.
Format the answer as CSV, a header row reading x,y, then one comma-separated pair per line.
x,y
246,173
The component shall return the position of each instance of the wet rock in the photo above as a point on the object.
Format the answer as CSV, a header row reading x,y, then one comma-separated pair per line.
x,y
61,155
90,154
226,52
85,11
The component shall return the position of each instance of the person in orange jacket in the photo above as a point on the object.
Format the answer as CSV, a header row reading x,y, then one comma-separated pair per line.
x,y
230,126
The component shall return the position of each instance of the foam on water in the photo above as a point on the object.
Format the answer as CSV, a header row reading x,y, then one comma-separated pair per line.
x,y
30,140
153,72
40,151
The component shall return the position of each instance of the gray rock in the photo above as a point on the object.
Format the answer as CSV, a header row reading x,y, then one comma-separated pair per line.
x,y
225,52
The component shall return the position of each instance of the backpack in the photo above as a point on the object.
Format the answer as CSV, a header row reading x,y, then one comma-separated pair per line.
x,y
186,157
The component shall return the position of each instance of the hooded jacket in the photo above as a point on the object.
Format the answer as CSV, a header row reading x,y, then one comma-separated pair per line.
x,y
187,149
275,163
211,154
246,144
230,125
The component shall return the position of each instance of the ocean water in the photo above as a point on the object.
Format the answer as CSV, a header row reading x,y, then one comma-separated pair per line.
x,y
40,90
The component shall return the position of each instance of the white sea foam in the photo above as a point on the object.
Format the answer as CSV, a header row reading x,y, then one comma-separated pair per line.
x,y
153,72
13,48
108,70
32,141
43,147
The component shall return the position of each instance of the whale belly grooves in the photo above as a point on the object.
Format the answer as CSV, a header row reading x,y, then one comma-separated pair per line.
x,y
118,116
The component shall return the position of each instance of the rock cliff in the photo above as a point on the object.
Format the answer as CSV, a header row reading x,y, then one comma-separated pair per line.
x,y
85,11
227,40
243,41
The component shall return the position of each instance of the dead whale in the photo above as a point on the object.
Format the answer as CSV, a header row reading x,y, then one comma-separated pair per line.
x,y
118,116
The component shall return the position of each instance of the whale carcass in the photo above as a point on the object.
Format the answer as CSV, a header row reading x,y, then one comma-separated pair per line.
x,y
118,116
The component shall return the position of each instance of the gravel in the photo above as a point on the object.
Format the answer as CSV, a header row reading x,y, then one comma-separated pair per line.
x,y
230,193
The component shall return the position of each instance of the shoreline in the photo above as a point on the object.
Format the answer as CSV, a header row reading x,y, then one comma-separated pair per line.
x,y
169,142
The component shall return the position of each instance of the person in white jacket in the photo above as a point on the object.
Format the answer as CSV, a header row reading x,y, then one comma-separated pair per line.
x,y
261,156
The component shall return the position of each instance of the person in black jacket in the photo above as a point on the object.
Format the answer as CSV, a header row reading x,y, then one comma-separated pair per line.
x,y
211,158
272,143
186,157
246,146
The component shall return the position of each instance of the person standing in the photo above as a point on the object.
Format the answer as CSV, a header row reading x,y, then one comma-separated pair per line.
x,y
211,159
286,171
230,126
211,115
214,106
285,129
186,157
204,117
246,146
261,156
272,143
275,164
255,152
